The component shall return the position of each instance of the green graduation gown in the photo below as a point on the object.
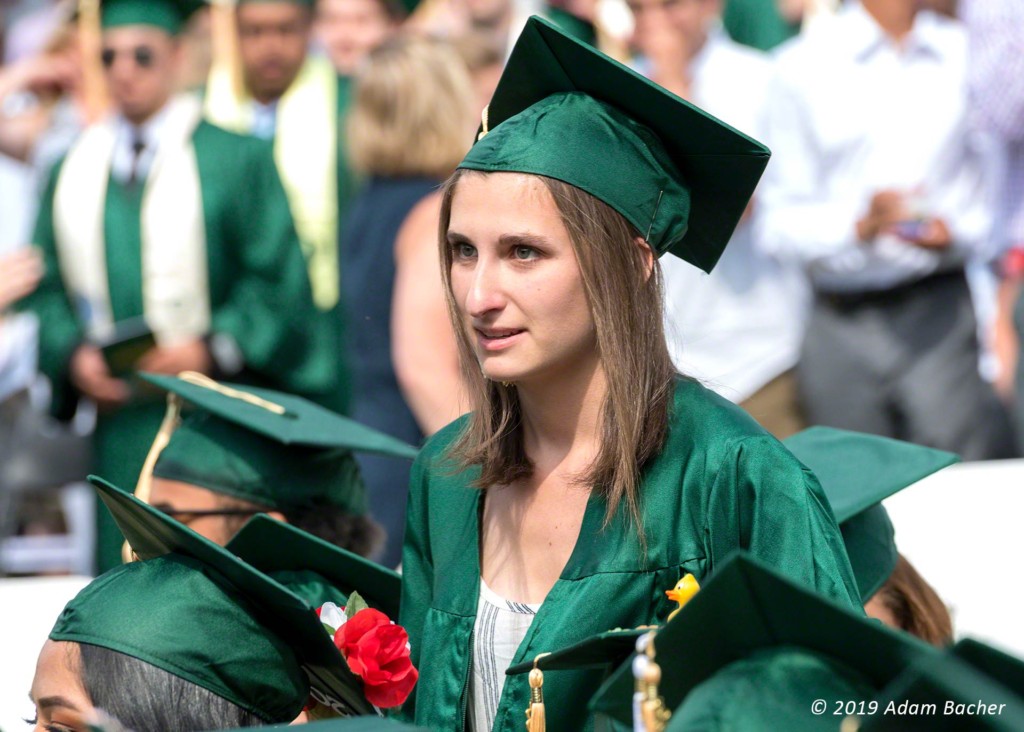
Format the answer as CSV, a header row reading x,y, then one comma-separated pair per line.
x,y
720,483
258,287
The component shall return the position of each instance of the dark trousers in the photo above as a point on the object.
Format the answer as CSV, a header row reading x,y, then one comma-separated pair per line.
x,y
904,363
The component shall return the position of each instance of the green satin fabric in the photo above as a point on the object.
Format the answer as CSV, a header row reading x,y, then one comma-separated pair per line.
x,y
172,613
310,586
772,690
720,484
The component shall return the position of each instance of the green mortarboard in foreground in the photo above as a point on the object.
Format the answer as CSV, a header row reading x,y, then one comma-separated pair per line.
x,y
167,15
771,690
944,694
151,534
564,110
749,613
314,569
268,448
997,665
604,650
857,472
179,614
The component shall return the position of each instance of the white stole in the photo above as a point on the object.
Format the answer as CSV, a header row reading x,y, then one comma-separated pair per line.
x,y
175,280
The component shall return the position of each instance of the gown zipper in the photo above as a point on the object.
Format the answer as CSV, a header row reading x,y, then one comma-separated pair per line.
x,y
464,704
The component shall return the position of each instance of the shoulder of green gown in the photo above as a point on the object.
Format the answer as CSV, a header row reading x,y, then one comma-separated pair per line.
x,y
701,416
438,443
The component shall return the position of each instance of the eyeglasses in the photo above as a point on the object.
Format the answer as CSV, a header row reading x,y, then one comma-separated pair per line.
x,y
144,56
186,516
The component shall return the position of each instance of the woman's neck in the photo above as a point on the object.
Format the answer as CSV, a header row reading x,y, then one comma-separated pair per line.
x,y
563,415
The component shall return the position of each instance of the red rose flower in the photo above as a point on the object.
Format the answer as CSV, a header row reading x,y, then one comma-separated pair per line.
x,y
377,651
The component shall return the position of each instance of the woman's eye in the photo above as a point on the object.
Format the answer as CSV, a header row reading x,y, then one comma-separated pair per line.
x,y
524,253
463,251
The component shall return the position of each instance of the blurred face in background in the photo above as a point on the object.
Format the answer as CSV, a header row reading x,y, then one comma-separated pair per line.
x,y
350,29
141,68
273,39
684,22
488,13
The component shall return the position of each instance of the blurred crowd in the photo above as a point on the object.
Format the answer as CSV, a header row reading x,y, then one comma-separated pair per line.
x,y
288,155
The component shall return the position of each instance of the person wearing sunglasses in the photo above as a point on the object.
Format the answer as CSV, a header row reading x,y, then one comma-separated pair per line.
x,y
168,245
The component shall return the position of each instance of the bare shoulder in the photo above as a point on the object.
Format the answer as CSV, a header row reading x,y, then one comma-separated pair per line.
x,y
419,227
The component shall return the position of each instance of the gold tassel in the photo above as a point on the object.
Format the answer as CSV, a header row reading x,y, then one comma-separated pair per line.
x,y
535,721
649,705
197,379
90,46
484,123
172,418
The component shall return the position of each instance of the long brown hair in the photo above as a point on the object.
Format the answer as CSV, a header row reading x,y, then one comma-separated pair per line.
x,y
915,605
625,298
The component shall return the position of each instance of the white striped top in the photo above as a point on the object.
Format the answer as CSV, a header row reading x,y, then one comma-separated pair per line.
x,y
500,627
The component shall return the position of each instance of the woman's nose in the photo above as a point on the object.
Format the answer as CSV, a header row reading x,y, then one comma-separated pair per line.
x,y
486,292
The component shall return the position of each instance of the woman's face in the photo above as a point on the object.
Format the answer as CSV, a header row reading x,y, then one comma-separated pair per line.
x,y
879,609
62,704
516,280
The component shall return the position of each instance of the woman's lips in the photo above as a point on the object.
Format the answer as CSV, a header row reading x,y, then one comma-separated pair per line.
x,y
496,339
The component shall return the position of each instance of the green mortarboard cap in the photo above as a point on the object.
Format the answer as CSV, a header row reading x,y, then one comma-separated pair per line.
x,y
747,608
997,665
944,694
140,609
857,472
269,448
771,690
572,24
152,533
314,569
168,15
564,110
604,650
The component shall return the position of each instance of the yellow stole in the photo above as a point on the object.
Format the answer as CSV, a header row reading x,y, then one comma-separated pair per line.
x,y
305,149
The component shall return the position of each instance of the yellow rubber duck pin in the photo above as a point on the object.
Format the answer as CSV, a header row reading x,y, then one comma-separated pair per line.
x,y
682,593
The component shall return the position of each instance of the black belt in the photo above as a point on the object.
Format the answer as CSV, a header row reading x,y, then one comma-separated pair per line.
x,y
892,295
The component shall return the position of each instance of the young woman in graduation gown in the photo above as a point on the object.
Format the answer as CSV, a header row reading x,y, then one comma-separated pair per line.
x,y
590,477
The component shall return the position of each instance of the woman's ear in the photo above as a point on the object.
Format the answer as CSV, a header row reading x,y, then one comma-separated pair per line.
x,y
648,253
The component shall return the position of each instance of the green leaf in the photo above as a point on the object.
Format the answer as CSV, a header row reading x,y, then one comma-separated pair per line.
x,y
330,631
355,604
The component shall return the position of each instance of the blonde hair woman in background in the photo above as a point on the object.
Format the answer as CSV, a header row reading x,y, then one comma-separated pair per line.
x,y
411,123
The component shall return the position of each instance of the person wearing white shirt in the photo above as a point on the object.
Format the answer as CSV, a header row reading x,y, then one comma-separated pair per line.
x,y
877,189
743,323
